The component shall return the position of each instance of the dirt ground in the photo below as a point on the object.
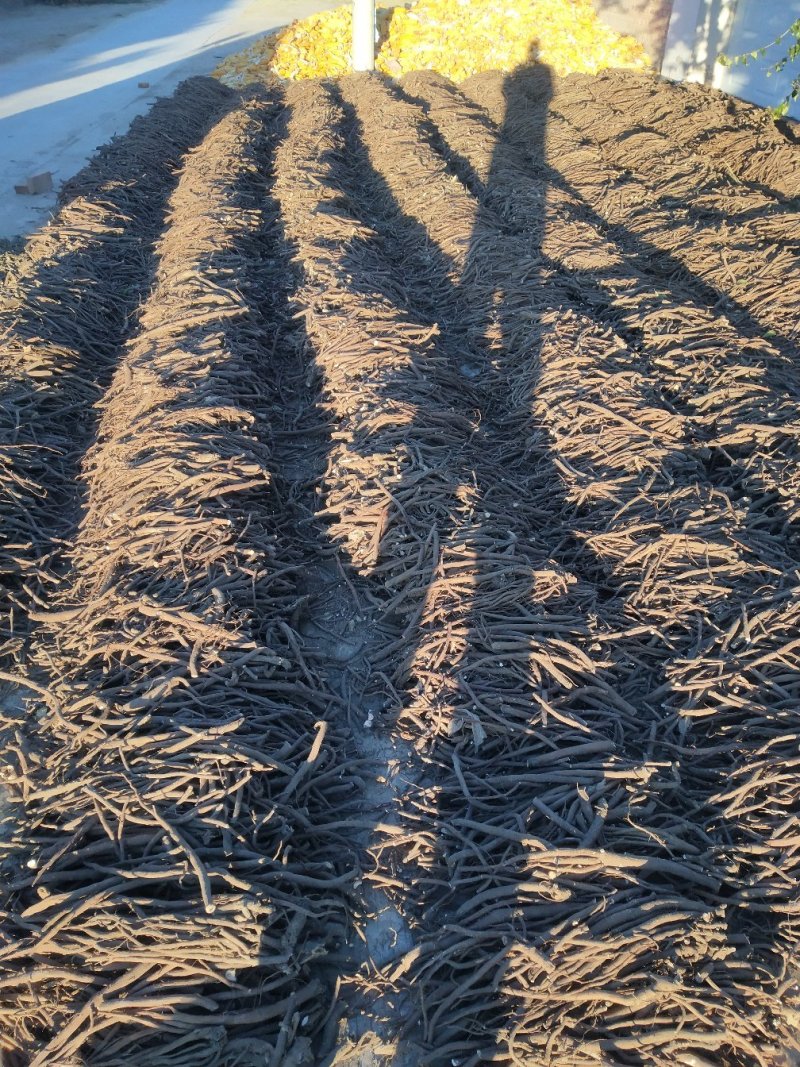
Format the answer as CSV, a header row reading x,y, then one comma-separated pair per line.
x,y
401,567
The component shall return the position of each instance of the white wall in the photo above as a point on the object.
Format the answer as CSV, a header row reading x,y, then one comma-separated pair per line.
x,y
756,22
700,29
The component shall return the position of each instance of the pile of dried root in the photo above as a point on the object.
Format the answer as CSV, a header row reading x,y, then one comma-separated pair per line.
x,y
182,870
552,388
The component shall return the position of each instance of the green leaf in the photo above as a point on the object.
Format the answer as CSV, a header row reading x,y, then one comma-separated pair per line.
x,y
791,56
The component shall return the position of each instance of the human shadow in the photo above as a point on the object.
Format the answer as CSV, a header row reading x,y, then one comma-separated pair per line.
x,y
512,583
557,861
541,752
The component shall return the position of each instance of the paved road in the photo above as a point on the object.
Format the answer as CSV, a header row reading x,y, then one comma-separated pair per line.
x,y
69,78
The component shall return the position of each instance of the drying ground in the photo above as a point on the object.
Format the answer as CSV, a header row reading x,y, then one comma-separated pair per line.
x,y
400,584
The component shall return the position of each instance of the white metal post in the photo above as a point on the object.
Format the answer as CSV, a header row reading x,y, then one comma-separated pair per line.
x,y
363,34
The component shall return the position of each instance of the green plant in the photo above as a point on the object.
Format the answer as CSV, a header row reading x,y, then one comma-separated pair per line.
x,y
792,33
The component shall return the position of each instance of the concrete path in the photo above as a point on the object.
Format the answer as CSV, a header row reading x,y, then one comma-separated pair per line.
x,y
69,77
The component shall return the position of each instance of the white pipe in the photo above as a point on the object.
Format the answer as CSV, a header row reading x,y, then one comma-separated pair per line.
x,y
363,34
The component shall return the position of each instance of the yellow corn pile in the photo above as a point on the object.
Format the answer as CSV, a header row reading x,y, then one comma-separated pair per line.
x,y
455,37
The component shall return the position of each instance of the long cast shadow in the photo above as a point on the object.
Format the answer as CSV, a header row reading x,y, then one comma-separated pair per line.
x,y
490,718
533,750
239,682
479,371
633,744
66,314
